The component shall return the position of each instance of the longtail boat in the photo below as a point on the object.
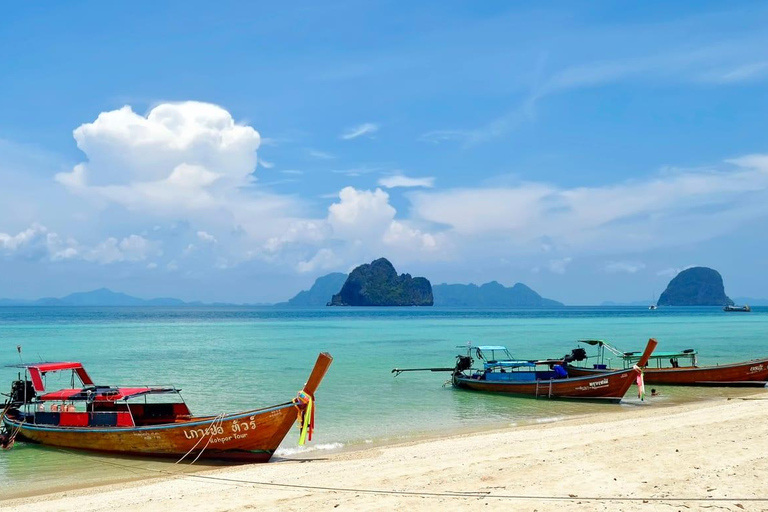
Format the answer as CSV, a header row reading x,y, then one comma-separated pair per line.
x,y
111,419
502,373
672,368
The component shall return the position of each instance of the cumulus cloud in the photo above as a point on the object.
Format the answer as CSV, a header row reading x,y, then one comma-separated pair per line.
x,y
399,180
359,131
33,243
360,213
180,155
629,267
37,242
112,250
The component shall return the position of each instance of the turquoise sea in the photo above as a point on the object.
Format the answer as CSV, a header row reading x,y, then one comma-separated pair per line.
x,y
230,359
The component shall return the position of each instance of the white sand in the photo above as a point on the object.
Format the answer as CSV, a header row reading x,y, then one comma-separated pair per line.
x,y
711,455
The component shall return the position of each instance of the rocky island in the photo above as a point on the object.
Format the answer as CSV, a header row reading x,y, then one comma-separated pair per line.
x,y
377,284
696,286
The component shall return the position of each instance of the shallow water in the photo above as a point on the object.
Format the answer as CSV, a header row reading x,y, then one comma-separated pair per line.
x,y
230,359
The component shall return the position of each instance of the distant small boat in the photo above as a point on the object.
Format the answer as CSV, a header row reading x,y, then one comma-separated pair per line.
x,y
109,419
741,309
653,306
501,373
674,368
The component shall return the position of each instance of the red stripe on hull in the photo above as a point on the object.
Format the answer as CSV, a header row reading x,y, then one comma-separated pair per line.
x,y
747,373
607,386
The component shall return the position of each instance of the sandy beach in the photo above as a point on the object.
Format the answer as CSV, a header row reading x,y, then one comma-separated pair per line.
x,y
694,456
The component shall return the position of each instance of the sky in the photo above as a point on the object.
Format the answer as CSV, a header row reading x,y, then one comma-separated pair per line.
x,y
233,151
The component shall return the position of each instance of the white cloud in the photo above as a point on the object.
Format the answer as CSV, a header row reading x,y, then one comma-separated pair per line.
x,y
206,237
661,211
324,259
672,271
265,164
360,213
131,248
401,235
320,155
629,267
399,180
359,131
37,242
181,156
558,266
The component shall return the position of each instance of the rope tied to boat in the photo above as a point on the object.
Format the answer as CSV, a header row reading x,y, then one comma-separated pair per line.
x,y
305,405
211,432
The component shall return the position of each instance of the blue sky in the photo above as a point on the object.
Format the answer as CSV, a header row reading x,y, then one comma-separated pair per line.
x,y
236,152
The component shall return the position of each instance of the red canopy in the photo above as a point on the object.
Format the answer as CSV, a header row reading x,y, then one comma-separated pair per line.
x,y
36,372
102,394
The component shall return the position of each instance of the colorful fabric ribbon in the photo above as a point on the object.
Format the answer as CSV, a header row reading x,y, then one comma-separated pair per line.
x,y
306,416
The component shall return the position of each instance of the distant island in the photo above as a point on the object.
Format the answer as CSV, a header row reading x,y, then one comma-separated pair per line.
x,y
320,294
377,284
106,297
697,286
489,295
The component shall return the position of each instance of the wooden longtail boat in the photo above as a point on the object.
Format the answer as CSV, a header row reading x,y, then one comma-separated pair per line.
x,y
109,419
523,378
501,373
674,368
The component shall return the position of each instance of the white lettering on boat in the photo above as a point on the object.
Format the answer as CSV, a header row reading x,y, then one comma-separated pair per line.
x,y
199,432
757,368
245,425
595,384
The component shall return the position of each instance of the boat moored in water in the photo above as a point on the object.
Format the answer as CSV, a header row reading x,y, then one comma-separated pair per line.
x,y
113,419
737,309
502,373
673,368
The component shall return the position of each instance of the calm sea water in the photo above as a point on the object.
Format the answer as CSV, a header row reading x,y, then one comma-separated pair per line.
x,y
230,359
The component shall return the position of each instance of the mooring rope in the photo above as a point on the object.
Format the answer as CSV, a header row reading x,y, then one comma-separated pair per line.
x,y
211,432
426,494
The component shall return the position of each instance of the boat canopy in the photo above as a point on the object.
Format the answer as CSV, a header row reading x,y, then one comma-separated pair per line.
x,y
103,393
492,347
662,355
510,364
38,370
631,357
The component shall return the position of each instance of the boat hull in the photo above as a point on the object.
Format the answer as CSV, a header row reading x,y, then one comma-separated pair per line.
x,y
251,436
749,373
604,387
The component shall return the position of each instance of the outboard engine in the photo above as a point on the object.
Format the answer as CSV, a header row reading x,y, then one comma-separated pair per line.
x,y
462,363
22,391
577,354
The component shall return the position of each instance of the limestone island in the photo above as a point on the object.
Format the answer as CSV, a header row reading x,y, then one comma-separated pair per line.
x,y
377,284
696,286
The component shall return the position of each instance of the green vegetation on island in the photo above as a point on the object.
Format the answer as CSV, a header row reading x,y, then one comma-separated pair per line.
x,y
377,284
697,286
